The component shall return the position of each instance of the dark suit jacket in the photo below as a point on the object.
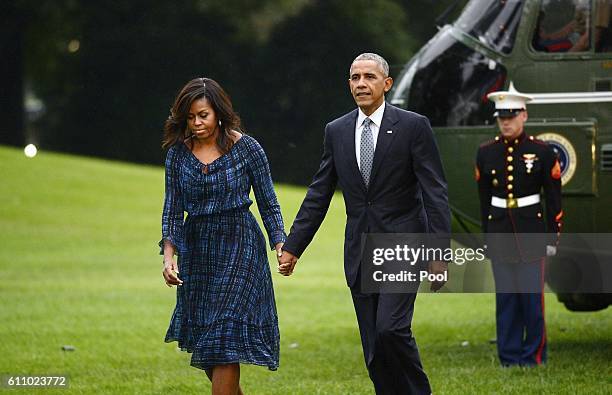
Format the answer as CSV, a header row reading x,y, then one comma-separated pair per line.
x,y
407,192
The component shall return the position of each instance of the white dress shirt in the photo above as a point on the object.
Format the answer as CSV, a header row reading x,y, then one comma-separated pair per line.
x,y
376,118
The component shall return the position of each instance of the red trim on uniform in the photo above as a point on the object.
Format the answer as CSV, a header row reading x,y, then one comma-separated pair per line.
x,y
538,141
559,216
555,173
521,138
540,350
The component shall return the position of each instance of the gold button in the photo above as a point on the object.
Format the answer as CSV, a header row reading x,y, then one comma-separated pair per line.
x,y
493,171
495,182
509,159
516,141
496,138
490,216
510,195
505,141
539,215
510,177
510,149
509,187
530,137
510,168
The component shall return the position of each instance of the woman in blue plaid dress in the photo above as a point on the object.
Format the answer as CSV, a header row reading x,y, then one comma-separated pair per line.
x,y
225,312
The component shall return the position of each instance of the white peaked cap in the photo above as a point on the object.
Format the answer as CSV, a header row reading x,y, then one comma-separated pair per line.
x,y
510,99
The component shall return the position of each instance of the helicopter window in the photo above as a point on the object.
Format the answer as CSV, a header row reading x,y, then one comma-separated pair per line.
x,y
563,26
449,84
492,22
603,28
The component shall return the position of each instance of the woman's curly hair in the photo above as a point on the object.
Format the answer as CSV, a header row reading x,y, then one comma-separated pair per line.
x,y
175,127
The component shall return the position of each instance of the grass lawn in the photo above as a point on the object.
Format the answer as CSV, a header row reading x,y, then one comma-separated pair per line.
x,y
79,267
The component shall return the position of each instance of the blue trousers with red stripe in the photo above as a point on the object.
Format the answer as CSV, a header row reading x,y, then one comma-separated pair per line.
x,y
519,305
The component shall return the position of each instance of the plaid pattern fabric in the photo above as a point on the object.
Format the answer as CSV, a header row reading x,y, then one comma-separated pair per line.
x,y
225,310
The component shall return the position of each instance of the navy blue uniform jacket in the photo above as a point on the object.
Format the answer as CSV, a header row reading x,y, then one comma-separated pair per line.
x,y
514,169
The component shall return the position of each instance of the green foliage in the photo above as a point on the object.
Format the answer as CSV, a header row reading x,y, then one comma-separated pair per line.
x,y
305,65
79,266
107,71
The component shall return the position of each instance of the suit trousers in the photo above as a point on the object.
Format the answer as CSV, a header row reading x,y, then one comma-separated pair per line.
x,y
390,351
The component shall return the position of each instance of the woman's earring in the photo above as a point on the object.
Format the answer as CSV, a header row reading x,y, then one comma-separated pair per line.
x,y
219,122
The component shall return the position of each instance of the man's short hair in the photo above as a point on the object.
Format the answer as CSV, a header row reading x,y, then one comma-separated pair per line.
x,y
375,57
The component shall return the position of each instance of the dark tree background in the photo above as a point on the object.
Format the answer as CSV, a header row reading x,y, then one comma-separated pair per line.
x,y
98,78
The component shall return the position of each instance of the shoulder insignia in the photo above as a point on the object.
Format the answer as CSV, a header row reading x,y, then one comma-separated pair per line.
x,y
555,173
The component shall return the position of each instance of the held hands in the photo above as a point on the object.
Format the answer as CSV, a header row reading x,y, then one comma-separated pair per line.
x,y
438,267
286,260
170,273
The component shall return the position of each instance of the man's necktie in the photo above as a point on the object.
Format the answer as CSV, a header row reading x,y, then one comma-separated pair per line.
x,y
366,151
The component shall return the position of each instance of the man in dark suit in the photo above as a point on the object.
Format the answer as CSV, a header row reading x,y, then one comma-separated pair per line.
x,y
387,164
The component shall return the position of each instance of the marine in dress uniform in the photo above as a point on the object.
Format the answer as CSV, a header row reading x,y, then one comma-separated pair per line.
x,y
515,173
